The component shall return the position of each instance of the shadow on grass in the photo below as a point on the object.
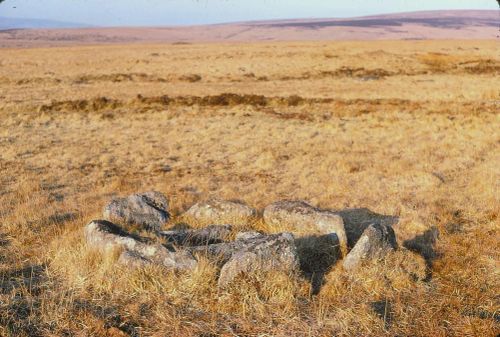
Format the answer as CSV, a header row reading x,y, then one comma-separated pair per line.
x,y
59,218
317,255
4,241
356,220
30,278
425,245
384,311
110,315
21,286
24,290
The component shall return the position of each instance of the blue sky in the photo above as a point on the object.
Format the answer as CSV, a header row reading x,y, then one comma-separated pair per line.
x,y
184,12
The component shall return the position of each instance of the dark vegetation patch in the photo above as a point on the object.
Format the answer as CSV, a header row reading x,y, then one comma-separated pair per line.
x,y
488,66
266,104
435,63
142,77
190,78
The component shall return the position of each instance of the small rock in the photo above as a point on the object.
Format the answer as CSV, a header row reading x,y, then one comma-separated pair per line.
x,y
375,242
196,237
148,209
247,235
265,253
301,215
222,211
105,235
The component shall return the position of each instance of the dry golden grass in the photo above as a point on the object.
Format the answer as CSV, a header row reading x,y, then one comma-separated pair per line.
x,y
407,129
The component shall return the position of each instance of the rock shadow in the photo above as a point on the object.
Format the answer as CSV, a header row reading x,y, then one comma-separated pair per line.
x,y
30,277
114,229
317,256
110,315
383,309
59,218
20,313
4,241
356,220
425,245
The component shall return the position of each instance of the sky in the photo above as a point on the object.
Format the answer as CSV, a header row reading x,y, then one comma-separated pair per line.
x,y
187,12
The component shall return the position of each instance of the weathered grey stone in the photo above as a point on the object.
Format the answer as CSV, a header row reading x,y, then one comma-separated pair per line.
x,y
356,220
248,235
220,252
301,215
196,237
105,235
375,242
265,253
149,209
221,211
133,259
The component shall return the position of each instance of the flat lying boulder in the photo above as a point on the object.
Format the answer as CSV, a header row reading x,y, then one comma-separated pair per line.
x,y
104,235
149,210
302,216
221,252
248,235
375,242
197,237
221,211
265,253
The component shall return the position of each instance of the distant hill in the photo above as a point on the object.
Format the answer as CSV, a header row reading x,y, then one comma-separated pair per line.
x,y
18,23
463,24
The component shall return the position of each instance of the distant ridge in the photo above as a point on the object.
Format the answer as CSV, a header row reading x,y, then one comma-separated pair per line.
x,y
456,24
26,23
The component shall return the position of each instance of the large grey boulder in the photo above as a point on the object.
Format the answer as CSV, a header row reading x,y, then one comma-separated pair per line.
x,y
220,252
248,235
149,210
302,216
196,237
221,211
375,242
266,253
133,259
104,235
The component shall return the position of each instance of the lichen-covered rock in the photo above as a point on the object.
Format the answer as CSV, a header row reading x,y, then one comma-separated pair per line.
x,y
149,209
133,259
265,253
301,216
375,242
105,235
197,237
219,252
221,211
248,235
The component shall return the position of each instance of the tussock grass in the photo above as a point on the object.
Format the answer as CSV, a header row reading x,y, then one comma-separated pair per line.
x,y
419,143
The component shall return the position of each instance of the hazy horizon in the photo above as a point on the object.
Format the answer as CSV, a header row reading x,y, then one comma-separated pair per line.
x,y
192,12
